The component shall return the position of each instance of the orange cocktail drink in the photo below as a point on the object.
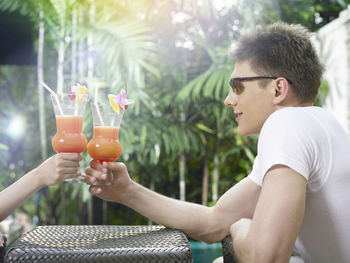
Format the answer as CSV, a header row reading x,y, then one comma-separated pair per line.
x,y
69,137
104,146
69,111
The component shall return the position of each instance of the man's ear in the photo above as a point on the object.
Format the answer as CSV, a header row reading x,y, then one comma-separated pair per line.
x,y
281,90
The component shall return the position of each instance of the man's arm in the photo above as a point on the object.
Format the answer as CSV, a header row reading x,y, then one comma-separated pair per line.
x,y
208,224
271,234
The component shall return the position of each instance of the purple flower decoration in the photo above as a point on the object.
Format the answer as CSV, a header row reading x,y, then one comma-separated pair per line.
x,y
119,101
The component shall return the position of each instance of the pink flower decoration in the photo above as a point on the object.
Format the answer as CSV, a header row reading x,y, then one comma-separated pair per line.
x,y
121,100
73,92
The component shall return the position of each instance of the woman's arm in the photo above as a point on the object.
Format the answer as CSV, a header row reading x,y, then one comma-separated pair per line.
x,y
56,169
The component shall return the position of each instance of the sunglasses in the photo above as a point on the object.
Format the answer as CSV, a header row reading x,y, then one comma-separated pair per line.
x,y
237,86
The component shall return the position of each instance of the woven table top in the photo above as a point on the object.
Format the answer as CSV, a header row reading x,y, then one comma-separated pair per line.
x,y
101,244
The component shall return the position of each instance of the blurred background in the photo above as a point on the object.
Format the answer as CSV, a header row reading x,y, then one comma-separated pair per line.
x,y
171,56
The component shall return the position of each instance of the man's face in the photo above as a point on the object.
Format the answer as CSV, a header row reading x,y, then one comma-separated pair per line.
x,y
253,106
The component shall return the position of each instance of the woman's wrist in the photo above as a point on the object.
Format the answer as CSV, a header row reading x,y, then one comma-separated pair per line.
x,y
34,178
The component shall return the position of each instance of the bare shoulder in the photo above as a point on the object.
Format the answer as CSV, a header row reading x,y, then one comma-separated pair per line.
x,y
283,176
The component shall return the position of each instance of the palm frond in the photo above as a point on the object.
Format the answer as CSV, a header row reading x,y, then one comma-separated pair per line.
x,y
211,84
125,46
60,6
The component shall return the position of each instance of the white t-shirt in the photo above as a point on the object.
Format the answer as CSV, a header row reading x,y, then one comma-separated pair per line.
x,y
310,141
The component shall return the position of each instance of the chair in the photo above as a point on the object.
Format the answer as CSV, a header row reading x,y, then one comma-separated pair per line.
x,y
229,255
3,249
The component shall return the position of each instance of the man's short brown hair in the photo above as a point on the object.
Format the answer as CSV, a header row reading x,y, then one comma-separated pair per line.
x,y
283,50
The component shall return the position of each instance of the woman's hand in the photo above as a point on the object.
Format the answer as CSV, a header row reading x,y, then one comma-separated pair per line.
x,y
58,168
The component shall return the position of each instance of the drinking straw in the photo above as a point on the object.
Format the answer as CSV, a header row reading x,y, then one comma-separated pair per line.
x,y
99,114
97,107
76,102
54,95
121,117
96,93
75,105
126,87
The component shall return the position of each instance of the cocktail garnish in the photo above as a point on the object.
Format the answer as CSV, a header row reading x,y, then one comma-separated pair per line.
x,y
78,92
119,102
81,93
73,91
113,104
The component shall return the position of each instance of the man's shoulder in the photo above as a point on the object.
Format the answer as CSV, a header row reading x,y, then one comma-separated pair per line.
x,y
296,124
297,113
293,118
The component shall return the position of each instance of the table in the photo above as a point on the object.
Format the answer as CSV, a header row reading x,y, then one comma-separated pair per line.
x,y
101,244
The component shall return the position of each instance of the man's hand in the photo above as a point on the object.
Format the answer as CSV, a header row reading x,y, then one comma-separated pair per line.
x,y
239,231
118,177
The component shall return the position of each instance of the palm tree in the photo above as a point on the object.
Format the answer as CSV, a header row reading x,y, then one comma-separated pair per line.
x,y
209,87
34,9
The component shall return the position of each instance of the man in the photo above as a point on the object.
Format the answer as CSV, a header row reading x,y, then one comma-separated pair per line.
x,y
297,195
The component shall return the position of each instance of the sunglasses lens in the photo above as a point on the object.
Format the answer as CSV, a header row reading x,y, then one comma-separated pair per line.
x,y
236,86
239,87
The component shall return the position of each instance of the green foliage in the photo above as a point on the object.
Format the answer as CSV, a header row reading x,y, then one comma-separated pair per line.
x,y
211,84
313,14
127,48
18,100
177,72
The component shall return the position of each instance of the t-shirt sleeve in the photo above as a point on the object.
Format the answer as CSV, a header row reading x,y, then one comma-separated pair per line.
x,y
284,140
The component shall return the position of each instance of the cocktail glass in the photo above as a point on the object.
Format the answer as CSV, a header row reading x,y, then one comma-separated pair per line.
x,y
69,112
104,146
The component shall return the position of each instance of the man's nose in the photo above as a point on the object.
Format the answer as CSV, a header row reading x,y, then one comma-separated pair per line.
x,y
231,99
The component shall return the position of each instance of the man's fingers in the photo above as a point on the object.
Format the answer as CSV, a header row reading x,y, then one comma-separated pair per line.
x,y
115,166
95,173
95,190
88,179
98,166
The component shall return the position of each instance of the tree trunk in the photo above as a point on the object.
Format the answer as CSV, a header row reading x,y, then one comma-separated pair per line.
x,y
90,73
182,165
216,171
80,51
90,41
42,124
74,47
60,63
151,187
40,72
216,175
205,183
